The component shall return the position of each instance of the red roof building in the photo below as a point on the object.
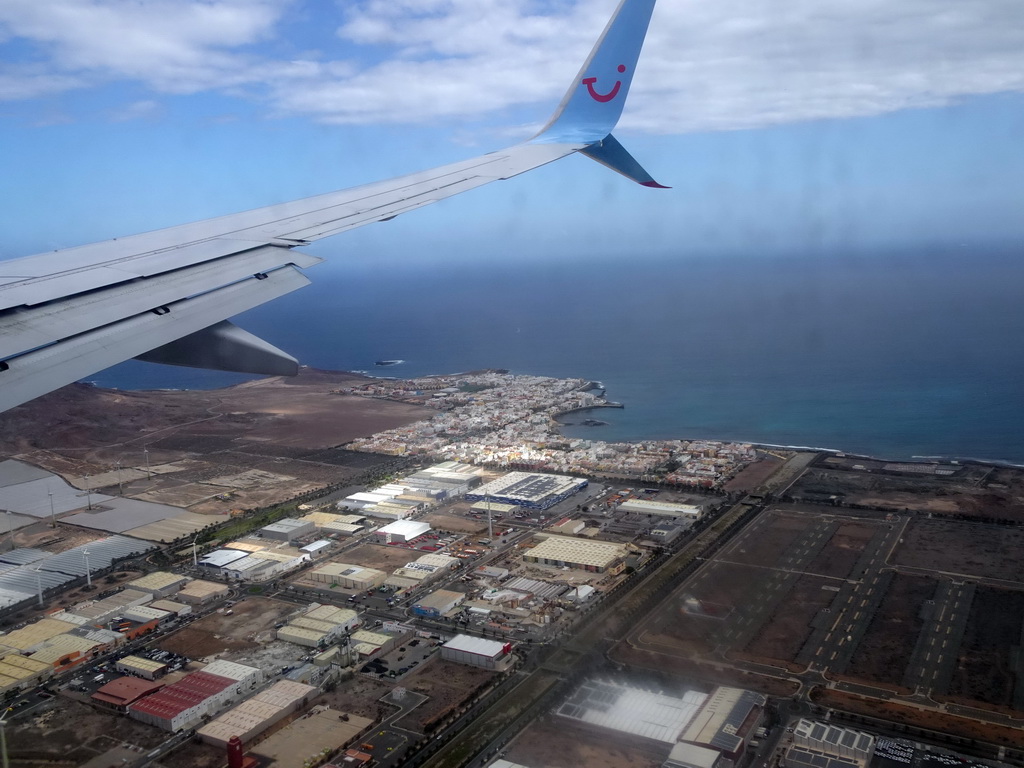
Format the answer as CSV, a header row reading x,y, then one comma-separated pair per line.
x,y
119,694
184,703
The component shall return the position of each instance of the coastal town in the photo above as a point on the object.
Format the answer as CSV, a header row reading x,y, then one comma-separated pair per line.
x,y
340,570
504,420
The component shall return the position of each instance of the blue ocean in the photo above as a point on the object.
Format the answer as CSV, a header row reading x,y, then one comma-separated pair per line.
x,y
897,355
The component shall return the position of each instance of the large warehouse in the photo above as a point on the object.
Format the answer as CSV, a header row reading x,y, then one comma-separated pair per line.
x,y
562,551
477,652
532,490
348,576
401,532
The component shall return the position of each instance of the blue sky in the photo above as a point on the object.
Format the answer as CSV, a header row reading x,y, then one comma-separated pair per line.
x,y
820,126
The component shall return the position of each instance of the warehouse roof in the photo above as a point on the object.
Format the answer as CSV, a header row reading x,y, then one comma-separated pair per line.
x,y
600,554
286,525
410,529
330,613
158,580
442,598
201,588
221,557
126,690
141,664
231,670
648,507
475,645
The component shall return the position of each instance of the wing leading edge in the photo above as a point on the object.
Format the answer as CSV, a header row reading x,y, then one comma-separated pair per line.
x,y
165,296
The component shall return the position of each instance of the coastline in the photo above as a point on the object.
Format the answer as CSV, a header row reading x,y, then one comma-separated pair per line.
x,y
593,385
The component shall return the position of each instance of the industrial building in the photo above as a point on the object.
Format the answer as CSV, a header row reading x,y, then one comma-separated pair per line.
x,y
183,704
438,603
251,718
348,576
121,693
662,508
138,666
178,609
640,713
264,565
477,652
318,626
596,556
18,672
327,523
685,755
494,508
401,532
98,613
421,570
532,490
159,583
367,643
823,745
221,558
199,592
727,721
288,529
247,677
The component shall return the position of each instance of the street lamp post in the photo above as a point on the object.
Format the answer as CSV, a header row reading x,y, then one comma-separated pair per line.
x,y
3,738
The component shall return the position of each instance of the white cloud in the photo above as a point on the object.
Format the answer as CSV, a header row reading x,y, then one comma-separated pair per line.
x,y
179,47
707,64
146,109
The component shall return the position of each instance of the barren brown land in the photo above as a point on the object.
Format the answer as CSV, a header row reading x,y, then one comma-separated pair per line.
x,y
241,447
971,491
895,602
555,742
218,633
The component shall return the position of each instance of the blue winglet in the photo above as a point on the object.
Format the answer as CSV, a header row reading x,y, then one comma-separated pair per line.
x,y
593,103
610,153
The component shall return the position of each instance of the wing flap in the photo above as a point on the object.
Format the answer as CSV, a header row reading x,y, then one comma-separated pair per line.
x,y
25,376
27,328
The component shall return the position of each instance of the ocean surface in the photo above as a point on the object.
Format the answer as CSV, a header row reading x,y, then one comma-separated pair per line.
x,y
896,355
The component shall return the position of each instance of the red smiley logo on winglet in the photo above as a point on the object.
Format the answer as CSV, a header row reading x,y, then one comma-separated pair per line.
x,y
604,97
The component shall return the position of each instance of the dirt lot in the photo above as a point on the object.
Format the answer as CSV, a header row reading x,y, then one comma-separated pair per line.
x,y
456,523
989,653
447,684
753,475
554,742
251,624
82,430
769,535
784,634
973,491
843,550
380,556
973,549
71,733
886,647
360,696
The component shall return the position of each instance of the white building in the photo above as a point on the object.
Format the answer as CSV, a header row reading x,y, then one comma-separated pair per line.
x,y
477,652
402,531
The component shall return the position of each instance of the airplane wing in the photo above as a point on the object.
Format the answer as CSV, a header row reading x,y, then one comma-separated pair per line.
x,y
165,296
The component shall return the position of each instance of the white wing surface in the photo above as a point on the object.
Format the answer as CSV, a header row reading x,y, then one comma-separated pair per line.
x,y
165,295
